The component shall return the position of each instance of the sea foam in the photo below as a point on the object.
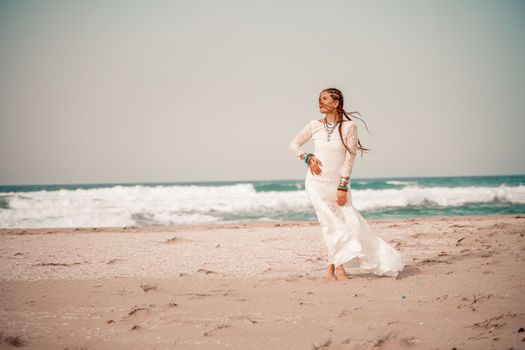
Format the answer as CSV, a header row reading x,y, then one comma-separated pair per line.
x,y
194,204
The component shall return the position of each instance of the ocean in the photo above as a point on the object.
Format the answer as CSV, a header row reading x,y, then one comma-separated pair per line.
x,y
161,204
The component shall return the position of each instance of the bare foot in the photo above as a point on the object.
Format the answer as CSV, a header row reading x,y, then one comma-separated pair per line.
x,y
330,273
340,274
330,276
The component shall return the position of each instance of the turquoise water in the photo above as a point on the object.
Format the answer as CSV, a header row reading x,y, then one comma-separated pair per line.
x,y
145,204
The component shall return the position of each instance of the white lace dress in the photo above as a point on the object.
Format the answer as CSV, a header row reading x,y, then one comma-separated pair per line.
x,y
347,235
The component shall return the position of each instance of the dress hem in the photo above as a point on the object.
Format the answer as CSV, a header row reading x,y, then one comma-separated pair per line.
x,y
374,270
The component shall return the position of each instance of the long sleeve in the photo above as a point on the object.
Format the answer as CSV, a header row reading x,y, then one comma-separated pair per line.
x,y
351,142
300,139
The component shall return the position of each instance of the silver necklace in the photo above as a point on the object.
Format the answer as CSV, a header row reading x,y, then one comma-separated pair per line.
x,y
329,128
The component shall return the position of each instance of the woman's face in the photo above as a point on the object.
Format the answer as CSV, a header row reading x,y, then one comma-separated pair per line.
x,y
326,103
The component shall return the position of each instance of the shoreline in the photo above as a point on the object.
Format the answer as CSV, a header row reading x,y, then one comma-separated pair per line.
x,y
213,226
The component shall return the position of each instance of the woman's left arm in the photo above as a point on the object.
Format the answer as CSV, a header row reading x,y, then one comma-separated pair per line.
x,y
351,141
346,171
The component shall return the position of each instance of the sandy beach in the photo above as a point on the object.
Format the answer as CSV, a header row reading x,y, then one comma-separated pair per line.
x,y
261,286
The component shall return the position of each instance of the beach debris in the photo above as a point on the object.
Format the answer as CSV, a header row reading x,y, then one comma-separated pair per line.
x,y
390,339
112,261
206,271
494,323
475,299
15,341
148,287
314,259
135,327
323,345
443,297
434,261
222,324
171,240
56,264
459,240
198,295
137,309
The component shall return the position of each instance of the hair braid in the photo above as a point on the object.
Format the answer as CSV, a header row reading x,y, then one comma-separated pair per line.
x,y
338,95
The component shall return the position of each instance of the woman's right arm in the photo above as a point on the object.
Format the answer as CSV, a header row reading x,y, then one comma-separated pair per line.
x,y
299,140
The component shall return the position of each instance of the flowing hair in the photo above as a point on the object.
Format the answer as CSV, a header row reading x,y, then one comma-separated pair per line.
x,y
338,95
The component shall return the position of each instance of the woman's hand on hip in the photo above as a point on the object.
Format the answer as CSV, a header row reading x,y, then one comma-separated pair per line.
x,y
341,197
315,165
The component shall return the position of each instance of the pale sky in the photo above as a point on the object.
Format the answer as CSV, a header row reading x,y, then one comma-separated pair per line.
x,y
159,91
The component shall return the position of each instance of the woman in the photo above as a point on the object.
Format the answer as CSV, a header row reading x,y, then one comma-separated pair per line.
x,y
346,233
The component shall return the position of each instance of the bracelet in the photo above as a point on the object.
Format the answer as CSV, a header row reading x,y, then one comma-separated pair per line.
x,y
342,184
307,157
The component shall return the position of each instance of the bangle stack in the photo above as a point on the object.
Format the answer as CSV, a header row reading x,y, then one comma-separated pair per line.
x,y
342,184
306,157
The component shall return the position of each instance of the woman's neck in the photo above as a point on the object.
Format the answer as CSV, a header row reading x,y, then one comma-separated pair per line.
x,y
331,118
